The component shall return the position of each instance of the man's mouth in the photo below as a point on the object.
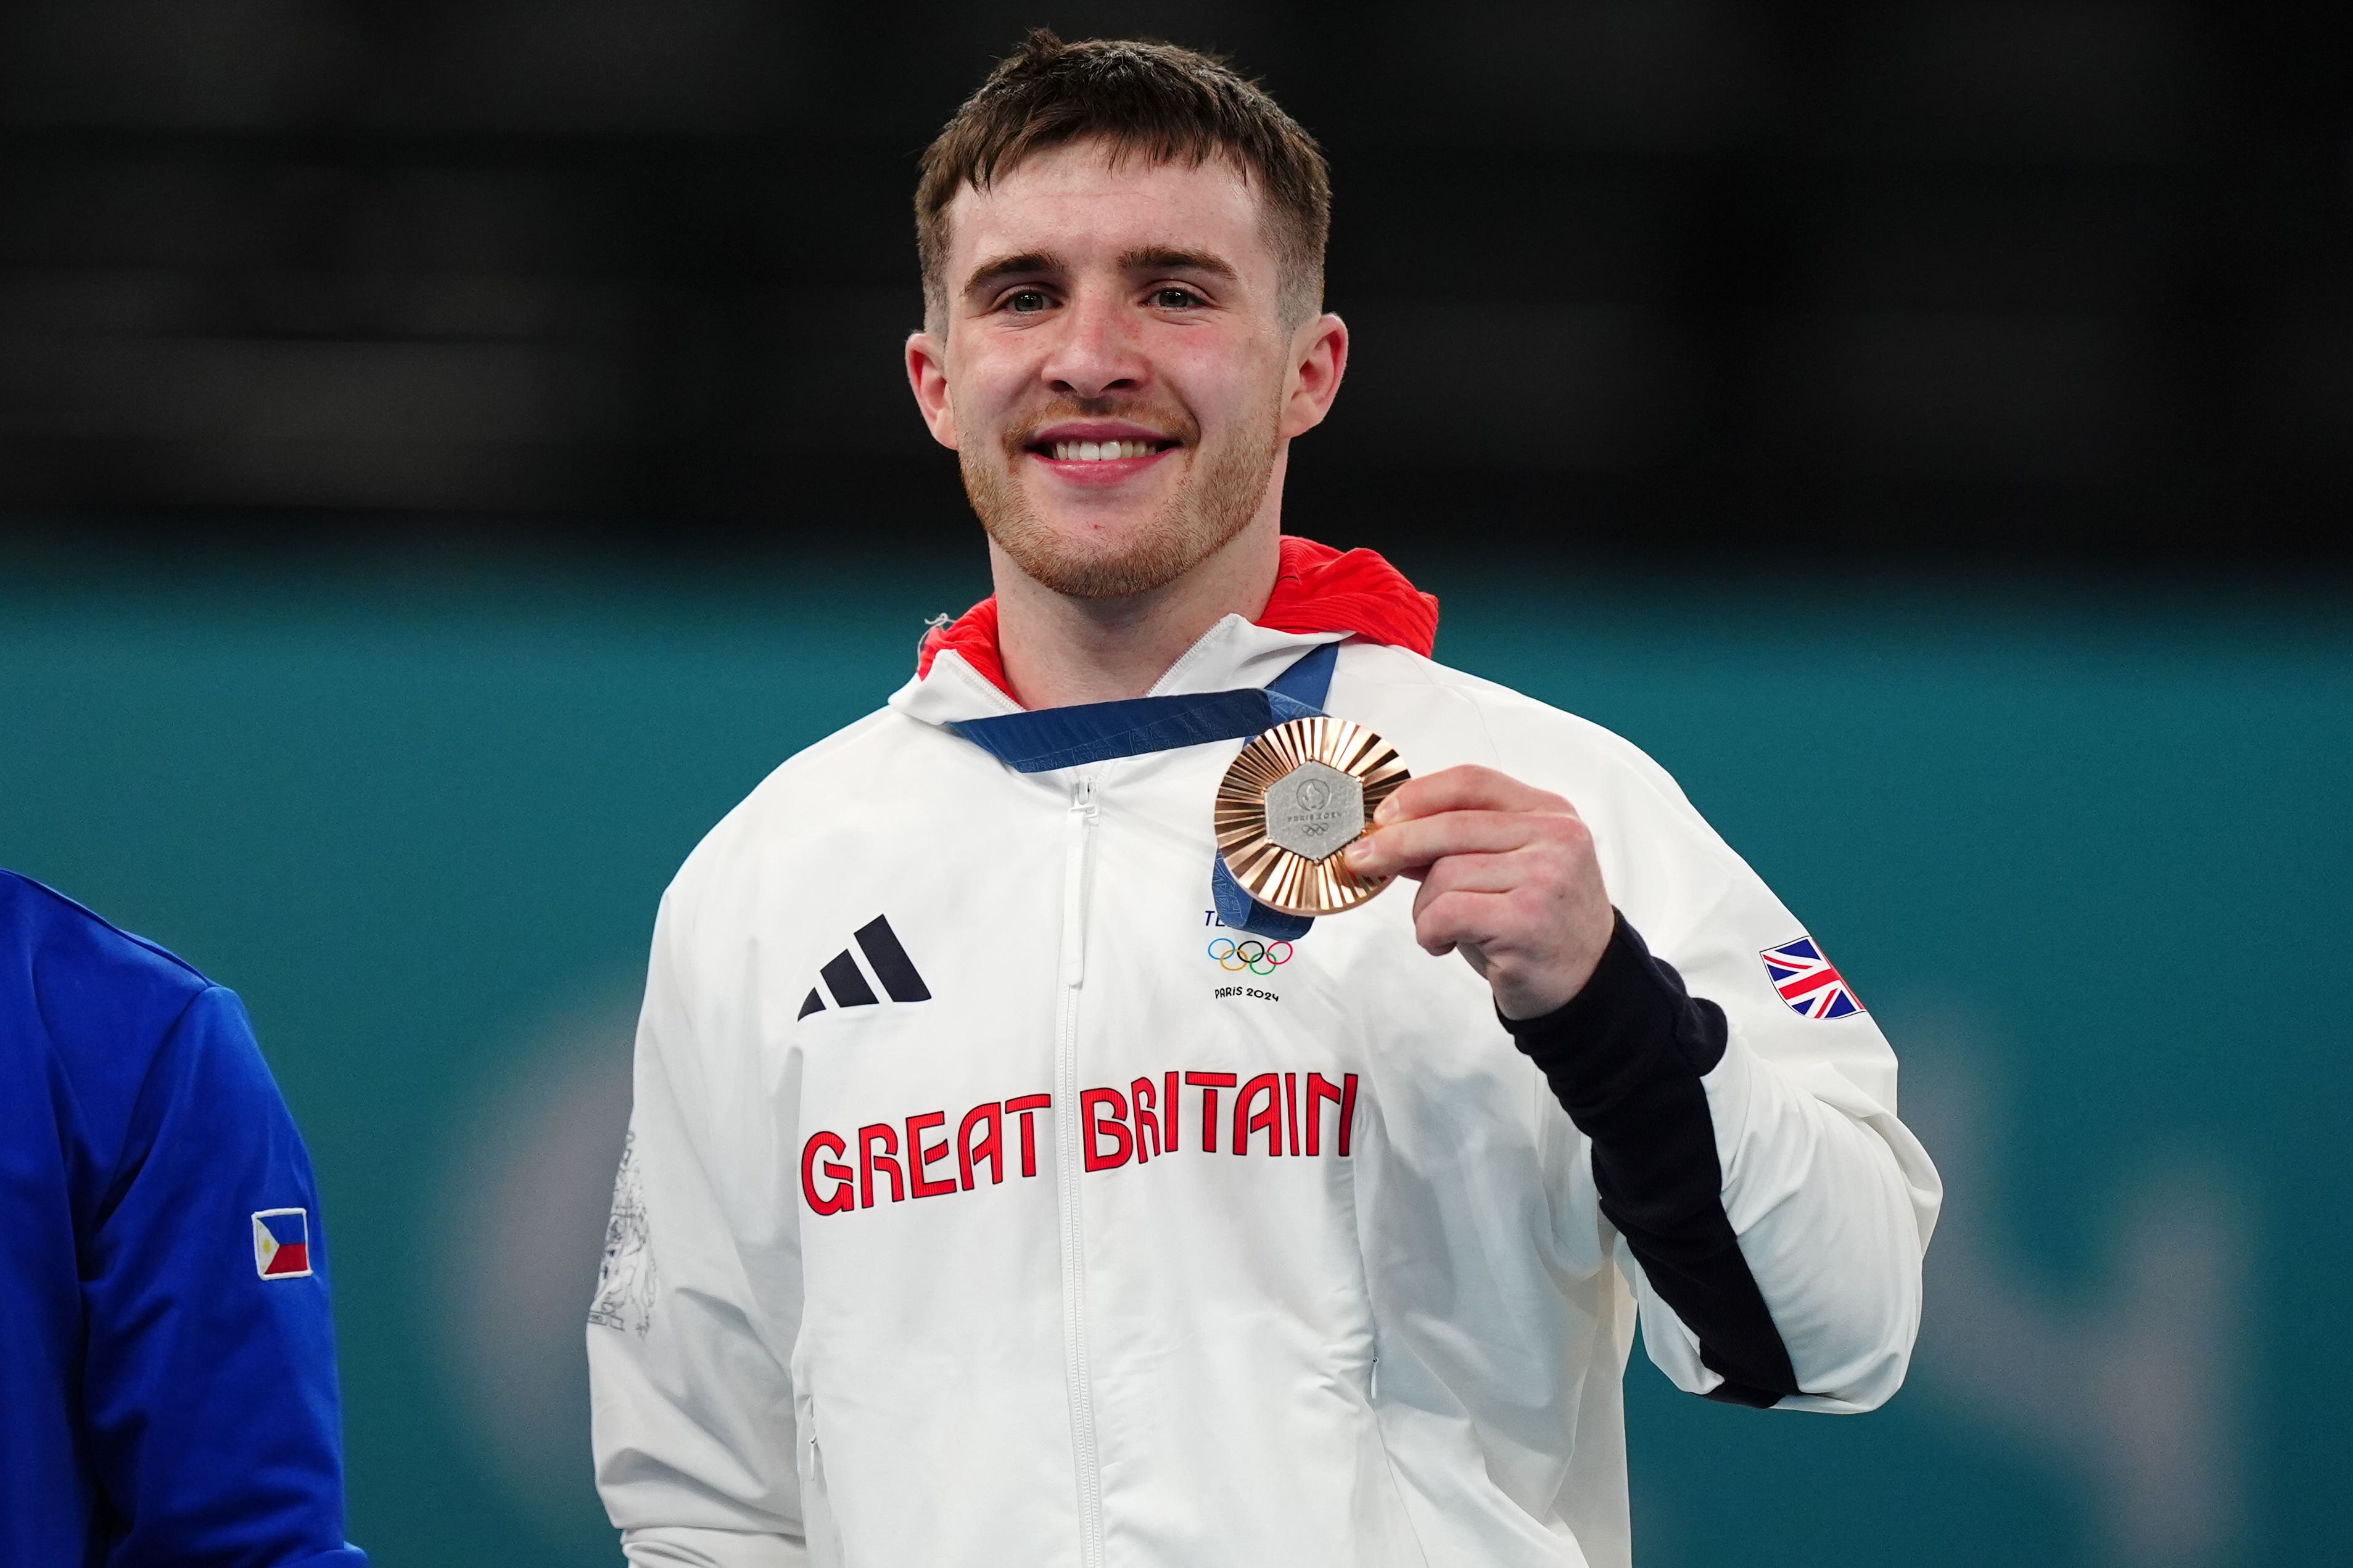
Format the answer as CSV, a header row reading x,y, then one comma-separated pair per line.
x,y
1099,451
1096,452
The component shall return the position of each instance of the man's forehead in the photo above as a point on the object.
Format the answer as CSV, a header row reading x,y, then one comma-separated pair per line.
x,y
1081,202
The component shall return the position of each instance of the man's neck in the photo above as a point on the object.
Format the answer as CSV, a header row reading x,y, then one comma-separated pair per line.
x,y
1059,650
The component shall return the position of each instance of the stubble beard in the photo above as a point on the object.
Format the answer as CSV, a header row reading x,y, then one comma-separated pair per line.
x,y
1215,501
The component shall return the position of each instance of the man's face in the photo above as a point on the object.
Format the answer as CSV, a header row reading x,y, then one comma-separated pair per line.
x,y
1112,370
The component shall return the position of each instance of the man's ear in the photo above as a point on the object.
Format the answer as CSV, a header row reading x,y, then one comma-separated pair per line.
x,y
927,375
1319,358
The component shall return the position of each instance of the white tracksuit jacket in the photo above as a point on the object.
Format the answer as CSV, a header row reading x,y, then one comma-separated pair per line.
x,y
1036,1232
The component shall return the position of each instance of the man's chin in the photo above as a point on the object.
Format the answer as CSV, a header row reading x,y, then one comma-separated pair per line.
x,y
1116,549
1097,569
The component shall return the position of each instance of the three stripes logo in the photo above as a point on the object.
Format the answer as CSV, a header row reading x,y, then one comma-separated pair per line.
x,y
845,980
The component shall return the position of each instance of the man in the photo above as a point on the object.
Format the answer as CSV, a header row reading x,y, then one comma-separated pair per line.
x,y
167,1380
1007,1186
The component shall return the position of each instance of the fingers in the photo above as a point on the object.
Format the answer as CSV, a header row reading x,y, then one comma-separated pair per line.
x,y
1452,919
1510,880
1413,844
1406,847
1534,958
1466,788
1470,874
1446,932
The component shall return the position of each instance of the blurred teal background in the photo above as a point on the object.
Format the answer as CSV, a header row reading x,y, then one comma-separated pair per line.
x,y
2084,851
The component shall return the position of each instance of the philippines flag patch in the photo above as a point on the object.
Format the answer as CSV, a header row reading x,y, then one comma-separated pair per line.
x,y
281,1244
1807,982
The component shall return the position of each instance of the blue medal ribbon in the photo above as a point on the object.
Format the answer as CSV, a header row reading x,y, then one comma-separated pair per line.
x,y
1038,741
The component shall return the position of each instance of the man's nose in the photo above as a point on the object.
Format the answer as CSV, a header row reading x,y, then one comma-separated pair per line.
x,y
1097,351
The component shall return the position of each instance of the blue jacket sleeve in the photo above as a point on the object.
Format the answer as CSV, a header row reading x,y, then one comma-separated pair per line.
x,y
209,1377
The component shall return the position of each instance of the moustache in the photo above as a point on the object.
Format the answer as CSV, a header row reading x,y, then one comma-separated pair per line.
x,y
1171,423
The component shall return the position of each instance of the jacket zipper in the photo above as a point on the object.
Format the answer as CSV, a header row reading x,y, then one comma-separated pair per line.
x,y
1077,829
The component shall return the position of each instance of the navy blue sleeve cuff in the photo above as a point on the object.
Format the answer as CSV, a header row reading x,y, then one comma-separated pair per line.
x,y
1624,1057
1631,1023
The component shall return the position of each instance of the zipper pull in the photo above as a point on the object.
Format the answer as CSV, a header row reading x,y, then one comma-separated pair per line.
x,y
1082,818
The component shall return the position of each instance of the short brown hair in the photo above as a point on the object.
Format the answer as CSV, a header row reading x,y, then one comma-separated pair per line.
x,y
1164,102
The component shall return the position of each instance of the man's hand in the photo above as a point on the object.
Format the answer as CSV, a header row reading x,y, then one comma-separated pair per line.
x,y
1508,879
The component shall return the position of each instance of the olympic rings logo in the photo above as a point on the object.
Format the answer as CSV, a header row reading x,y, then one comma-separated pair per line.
x,y
1258,957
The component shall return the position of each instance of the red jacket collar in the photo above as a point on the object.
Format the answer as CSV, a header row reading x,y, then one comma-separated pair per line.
x,y
1318,589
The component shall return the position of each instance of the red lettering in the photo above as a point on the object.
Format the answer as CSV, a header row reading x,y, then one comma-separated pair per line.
x,y
1024,1108
1290,1106
1319,1090
1093,1126
886,1162
1168,1113
1208,1083
1347,1112
990,1148
919,1159
1246,1122
1146,1101
845,1192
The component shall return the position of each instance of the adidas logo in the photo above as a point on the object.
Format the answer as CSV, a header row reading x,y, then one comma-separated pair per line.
x,y
886,960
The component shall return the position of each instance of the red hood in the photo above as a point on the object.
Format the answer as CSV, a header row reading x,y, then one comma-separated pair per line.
x,y
1318,589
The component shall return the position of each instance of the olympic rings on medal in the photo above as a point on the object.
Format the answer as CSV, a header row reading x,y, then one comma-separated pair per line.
x,y
1256,956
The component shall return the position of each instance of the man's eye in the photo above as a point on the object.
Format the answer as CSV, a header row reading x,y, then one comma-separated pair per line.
x,y
1027,301
1175,299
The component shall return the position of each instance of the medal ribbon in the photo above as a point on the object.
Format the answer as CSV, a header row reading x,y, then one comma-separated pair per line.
x,y
1050,738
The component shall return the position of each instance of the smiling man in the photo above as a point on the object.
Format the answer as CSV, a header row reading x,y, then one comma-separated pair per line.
x,y
1007,1183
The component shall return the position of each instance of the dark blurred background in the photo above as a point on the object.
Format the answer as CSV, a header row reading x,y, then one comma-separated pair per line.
x,y
448,453
2069,279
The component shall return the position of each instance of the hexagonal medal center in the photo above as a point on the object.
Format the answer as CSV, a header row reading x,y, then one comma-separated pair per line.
x,y
1315,810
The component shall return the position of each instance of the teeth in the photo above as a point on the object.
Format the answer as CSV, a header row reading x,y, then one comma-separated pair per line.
x,y
1099,451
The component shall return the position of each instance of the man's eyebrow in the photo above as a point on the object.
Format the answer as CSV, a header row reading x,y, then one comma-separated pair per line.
x,y
1026,264
1166,259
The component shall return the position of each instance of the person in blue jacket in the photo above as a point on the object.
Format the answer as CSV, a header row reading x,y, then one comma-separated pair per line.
x,y
167,1358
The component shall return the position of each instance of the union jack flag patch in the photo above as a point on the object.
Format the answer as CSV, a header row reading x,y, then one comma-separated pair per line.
x,y
1807,982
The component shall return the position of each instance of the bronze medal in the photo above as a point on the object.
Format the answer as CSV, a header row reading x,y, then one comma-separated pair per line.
x,y
1296,796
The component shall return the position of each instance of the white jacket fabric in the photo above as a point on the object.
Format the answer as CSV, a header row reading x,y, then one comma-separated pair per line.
x,y
981,1208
